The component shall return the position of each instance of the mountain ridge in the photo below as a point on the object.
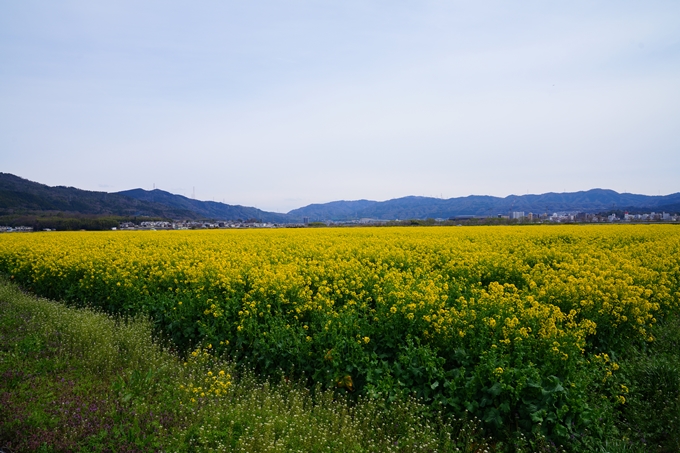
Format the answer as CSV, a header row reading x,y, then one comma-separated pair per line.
x,y
19,195
414,207
207,209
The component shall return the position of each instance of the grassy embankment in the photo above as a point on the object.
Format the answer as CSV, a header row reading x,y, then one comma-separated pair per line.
x,y
79,380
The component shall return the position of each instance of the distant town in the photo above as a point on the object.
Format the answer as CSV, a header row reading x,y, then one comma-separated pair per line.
x,y
512,218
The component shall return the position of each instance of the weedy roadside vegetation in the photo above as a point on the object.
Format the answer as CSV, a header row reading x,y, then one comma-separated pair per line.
x,y
82,380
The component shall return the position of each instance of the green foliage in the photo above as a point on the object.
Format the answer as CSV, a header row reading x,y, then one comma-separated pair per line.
x,y
651,415
79,380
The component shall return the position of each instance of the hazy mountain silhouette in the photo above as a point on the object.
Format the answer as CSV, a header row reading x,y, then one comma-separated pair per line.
x,y
591,201
20,196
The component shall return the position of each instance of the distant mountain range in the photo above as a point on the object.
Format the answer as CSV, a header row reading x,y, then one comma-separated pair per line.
x,y
591,201
21,196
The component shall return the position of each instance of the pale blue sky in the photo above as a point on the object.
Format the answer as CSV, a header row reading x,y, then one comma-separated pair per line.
x,y
281,104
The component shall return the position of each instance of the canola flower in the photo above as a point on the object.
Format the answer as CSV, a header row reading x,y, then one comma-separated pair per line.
x,y
208,384
481,318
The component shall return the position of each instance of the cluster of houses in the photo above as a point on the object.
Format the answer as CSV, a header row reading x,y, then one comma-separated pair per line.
x,y
598,218
582,217
664,216
19,229
192,225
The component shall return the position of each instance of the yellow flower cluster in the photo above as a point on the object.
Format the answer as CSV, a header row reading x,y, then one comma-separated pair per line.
x,y
214,385
209,383
561,287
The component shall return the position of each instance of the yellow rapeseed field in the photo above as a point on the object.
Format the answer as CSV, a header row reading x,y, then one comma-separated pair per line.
x,y
488,319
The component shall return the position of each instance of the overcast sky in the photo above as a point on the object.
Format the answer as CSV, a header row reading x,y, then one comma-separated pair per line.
x,y
281,104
